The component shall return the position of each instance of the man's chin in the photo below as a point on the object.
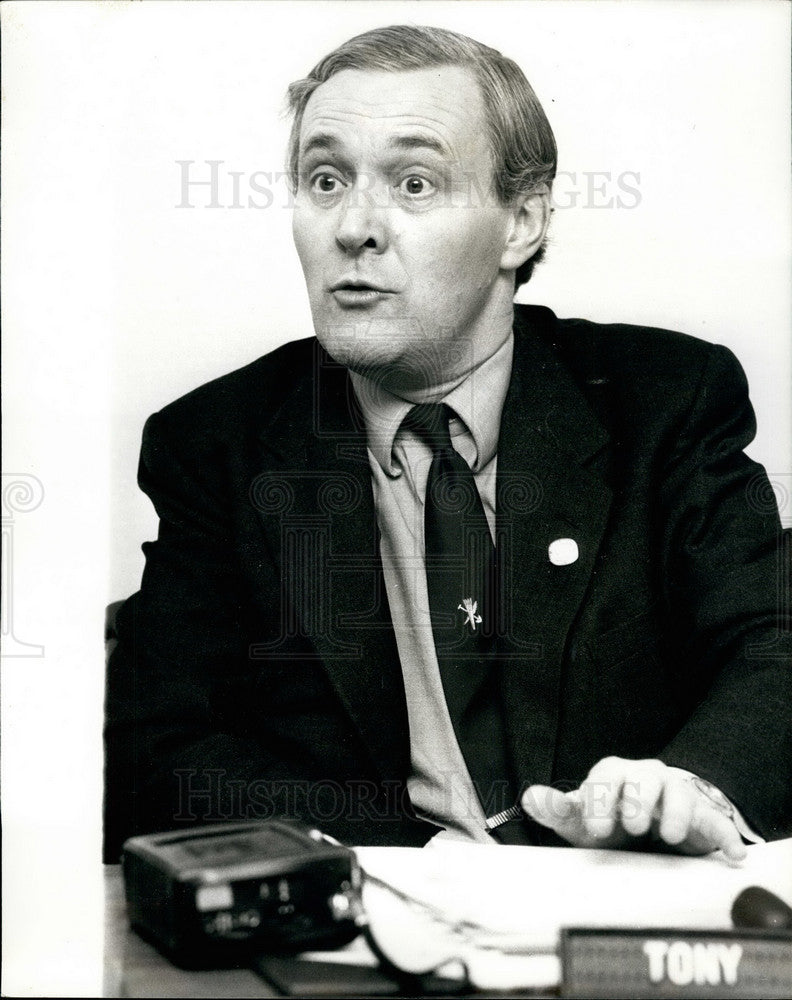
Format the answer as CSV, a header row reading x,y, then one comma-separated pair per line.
x,y
397,366
386,371
375,360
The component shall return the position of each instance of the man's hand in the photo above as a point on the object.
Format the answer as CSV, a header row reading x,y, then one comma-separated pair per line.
x,y
622,800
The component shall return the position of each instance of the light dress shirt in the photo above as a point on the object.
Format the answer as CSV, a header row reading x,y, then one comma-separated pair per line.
x,y
439,786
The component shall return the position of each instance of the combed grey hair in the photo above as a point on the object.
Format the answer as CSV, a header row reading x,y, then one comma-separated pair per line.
x,y
522,143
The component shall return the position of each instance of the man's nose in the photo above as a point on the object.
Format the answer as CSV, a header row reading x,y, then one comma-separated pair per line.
x,y
362,223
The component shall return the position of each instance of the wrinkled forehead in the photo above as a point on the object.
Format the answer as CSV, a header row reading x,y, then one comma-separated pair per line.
x,y
358,108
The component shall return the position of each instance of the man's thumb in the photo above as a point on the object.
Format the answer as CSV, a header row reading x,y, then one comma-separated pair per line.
x,y
547,806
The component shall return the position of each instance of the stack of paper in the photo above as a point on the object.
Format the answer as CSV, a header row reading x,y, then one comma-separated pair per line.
x,y
501,909
531,892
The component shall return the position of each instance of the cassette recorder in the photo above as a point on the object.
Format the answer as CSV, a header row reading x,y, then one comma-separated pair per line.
x,y
212,894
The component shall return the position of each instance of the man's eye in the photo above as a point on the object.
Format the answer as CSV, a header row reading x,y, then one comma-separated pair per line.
x,y
325,183
415,185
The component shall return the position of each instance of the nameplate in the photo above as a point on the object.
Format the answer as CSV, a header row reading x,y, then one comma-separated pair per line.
x,y
675,963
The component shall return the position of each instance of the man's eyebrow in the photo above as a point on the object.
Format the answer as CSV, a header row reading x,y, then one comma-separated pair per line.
x,y
326,142
320,141
420,142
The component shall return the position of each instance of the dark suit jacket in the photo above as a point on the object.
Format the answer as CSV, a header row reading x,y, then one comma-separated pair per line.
x,y
256,671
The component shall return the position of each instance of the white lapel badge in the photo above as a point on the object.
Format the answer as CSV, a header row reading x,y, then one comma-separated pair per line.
x,y
470,607
563,551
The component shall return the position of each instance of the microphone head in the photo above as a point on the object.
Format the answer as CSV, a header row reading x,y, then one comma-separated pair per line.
x,y
759,908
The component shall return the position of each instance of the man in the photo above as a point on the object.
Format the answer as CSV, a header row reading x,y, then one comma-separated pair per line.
x,y
452,555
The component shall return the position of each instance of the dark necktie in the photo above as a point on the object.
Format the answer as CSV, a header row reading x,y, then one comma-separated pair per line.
x,y
461,576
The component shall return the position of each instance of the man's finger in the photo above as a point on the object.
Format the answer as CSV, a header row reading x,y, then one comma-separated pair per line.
x,y
676,811
641,794
600,794
711,830
556,810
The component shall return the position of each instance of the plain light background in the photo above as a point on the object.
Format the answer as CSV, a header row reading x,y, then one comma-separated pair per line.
x,y
116,300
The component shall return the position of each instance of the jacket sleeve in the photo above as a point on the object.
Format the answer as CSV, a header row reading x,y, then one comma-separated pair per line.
x,y
727,582
182,742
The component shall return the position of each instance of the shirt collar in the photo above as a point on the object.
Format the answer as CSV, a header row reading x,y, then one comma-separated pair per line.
x,y
477,400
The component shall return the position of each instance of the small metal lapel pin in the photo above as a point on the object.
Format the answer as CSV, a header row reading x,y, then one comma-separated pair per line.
x,y
470,607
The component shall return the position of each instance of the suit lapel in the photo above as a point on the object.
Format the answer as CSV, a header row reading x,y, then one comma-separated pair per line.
x,y
323,535
548,489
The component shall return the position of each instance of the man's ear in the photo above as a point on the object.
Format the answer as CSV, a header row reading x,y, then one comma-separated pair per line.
x,y
530,218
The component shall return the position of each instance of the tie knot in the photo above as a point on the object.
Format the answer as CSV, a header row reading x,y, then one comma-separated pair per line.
x,y
430,422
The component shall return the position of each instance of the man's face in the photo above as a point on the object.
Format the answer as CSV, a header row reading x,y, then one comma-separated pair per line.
x,y
399,231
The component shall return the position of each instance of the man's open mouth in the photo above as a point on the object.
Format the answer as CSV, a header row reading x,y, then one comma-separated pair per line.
x,y
356,285
354,293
